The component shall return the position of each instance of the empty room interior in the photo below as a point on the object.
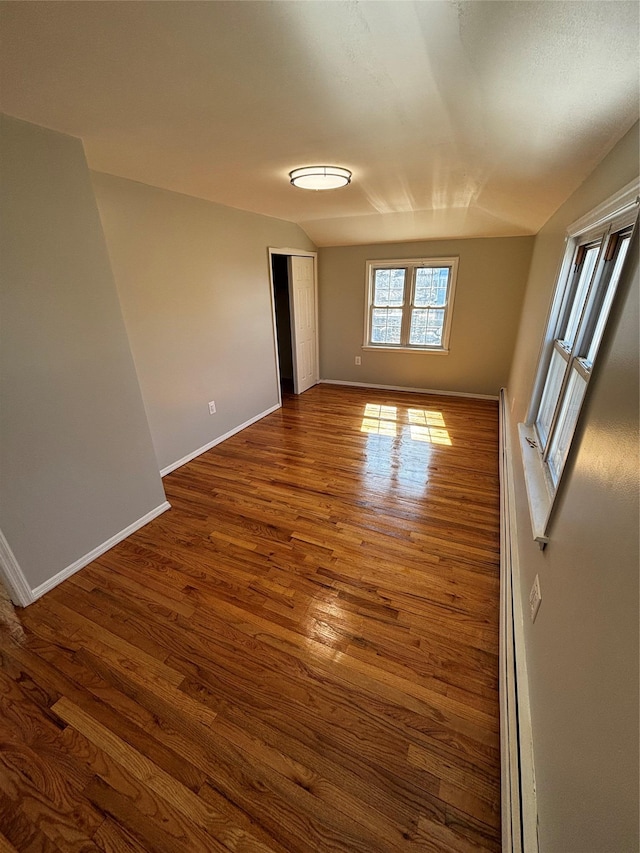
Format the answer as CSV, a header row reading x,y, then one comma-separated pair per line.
x,y
319,405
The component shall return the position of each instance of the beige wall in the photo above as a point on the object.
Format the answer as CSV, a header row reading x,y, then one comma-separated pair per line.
x,y
193,279
77,463
491,280
582,651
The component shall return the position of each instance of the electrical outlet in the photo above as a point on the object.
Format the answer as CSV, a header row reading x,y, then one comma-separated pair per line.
x,y
535,597
358,360
212,408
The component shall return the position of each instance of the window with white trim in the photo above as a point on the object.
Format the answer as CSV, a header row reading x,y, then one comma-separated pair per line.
x,y
597,248
410,303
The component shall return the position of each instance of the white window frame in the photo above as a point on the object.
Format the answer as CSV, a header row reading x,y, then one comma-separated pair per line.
x,y
545,451
410,265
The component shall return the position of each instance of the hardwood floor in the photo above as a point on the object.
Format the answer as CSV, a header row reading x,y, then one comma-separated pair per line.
x,y
300,656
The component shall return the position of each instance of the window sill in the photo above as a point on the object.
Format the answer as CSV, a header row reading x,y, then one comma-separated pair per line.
x,y
540,491
432,351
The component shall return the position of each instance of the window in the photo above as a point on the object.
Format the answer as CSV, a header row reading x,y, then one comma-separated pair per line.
x,y
597,248
409,304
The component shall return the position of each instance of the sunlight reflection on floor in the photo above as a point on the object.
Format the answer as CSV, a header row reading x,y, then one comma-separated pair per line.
x,y
423,424
426,425
400,444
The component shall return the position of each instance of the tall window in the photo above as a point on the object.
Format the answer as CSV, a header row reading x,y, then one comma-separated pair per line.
x,y
597,249
594,274
410,303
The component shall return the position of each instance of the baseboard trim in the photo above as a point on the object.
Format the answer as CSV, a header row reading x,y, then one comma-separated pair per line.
x,y
13,576
180,462
97,552
408,389
518,786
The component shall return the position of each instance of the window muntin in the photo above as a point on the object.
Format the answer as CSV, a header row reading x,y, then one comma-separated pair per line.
x,y
427,325
590,288
550,395
389,287
388,302
583,276
566,423
409,304
609,291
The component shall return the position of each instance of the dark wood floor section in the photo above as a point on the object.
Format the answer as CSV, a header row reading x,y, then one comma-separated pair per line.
x,y
300,656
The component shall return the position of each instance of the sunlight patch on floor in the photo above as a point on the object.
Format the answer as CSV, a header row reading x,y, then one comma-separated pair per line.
x,y
425,425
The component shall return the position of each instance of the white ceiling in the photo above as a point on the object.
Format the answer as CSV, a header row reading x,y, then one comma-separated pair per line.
x,y
457,119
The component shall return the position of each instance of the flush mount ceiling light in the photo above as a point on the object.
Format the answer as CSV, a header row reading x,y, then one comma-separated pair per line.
x,y
320,177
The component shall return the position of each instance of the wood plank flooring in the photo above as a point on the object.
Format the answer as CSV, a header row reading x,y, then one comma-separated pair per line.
x,y
300,656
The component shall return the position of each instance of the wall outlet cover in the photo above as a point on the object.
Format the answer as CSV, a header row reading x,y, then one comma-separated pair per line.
x,y
212,408
358,359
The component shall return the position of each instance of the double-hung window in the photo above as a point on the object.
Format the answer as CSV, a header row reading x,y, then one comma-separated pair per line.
x,y
597,249
410,304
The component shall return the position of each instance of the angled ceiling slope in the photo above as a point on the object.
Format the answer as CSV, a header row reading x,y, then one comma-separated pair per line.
x,y
457,119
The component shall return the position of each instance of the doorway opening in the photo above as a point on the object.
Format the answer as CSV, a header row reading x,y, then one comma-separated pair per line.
x,y
282,305
295,309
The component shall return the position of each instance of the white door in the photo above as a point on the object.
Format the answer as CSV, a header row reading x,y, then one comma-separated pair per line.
x,y
302,290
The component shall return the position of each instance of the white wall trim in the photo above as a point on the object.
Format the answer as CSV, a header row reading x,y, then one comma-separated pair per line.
x,y
537,480
624,200
518,785
13,576
274,324
221,438
412,350
412,390
97,552
303,253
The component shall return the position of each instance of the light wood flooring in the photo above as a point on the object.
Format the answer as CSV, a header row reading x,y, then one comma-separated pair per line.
x,y
301,655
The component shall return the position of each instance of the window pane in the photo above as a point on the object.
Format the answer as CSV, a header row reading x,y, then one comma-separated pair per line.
x,y
566,425
608,299
569,336
550,395
431,287
426,327
388,287
386,324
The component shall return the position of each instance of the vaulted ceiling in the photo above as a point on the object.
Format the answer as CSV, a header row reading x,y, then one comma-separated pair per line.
x,y
457,119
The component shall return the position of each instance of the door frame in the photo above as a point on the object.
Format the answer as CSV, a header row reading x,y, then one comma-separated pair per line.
x,y
304,253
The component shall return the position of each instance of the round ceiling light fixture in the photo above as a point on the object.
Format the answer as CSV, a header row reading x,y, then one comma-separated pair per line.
x,y
320,177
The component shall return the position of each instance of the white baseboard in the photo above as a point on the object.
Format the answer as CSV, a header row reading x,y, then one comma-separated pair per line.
x,y
219,440
12,576
97,552
412,390
518,786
